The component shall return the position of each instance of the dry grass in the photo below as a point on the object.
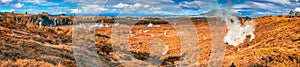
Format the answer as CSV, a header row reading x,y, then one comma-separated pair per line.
x,y
22,46
27,63
276,44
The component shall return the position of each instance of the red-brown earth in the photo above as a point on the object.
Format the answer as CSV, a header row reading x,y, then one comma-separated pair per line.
x,y
276,44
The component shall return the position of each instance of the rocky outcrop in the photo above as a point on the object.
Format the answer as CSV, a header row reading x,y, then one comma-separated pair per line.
x,y
297,14
43,19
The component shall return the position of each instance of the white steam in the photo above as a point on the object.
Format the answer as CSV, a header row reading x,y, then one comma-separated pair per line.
x,y
150,25
54,21
237,33
41,22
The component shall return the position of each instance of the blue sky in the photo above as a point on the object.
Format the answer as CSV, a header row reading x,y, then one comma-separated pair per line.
x,y
150,7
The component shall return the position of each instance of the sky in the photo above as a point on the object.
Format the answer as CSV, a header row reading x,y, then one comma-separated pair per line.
x,y
251,8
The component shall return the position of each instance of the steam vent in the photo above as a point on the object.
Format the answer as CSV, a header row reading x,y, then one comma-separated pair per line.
x,y
149,33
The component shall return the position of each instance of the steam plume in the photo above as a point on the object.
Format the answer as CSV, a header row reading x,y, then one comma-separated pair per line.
x,y
237,33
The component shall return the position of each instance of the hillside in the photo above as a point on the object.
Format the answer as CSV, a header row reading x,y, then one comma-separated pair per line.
x,y
276,44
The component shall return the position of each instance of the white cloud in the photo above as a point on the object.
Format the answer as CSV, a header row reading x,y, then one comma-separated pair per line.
x,y
75,10
283,2
265,13
34,1
241,6
121,5
263,5
297,9
18,5
166,0
89,9
90,2
133,6
6,1
73,1
152,2
7,10
271,7
164,13
41,2
155,8
136,5
146,6
239,10
193,4
158,7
